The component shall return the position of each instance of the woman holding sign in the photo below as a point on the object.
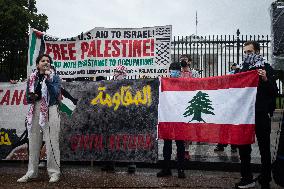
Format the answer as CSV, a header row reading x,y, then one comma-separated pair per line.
x,y
43,92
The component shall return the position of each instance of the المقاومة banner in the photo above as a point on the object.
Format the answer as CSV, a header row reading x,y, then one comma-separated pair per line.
x,y
112,120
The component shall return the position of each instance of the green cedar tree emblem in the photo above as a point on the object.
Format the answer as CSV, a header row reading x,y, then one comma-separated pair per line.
x,y
199,104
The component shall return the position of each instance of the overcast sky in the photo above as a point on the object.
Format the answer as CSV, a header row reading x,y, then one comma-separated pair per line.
x,y
67,18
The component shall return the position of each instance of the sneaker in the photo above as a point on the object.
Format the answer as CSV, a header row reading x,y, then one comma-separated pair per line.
x,y
54,178
181,174
164,173
219,149
42,164
244,183
131,168
26,178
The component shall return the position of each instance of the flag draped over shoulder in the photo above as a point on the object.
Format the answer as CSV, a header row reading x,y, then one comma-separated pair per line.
x,y
216,109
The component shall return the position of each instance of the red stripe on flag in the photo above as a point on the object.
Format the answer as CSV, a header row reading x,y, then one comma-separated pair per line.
x,y
240,80
207,132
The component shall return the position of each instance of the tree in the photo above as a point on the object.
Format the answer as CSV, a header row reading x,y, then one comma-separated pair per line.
x,y
15,18
199,104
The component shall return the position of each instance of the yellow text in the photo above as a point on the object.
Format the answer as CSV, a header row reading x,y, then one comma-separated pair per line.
x,y
4,139
124,97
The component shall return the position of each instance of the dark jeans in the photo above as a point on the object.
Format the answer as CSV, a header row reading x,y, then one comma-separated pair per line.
x,y
167,152
262,131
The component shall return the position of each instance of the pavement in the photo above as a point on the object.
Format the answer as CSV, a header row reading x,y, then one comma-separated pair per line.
x,y
87,176
204,169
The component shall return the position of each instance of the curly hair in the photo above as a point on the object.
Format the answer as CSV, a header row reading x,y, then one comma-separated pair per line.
x,y
43,55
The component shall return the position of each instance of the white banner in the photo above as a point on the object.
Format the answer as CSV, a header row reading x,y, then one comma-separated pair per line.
x,y
143,51
13,106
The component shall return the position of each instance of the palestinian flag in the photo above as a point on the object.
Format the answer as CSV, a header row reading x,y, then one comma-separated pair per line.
x,y
68,103
216,109
36,47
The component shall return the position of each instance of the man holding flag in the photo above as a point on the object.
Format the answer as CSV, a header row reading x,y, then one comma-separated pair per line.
x,y
205,109
264,107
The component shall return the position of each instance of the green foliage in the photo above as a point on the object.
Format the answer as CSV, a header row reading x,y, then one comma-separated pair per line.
x,y
15,18
199,104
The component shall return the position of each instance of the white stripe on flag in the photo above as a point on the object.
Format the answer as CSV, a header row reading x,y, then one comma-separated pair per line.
x,y
68,103
231,106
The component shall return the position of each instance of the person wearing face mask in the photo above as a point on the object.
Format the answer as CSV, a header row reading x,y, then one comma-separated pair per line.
x,y
264,107
175,72
43,95
186,71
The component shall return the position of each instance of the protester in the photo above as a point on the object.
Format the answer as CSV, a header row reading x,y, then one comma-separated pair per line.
x,y
175,72
186,70
221,147
234,68
43,92
264,107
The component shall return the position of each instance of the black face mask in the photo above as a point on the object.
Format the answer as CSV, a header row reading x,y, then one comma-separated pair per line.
x,y
183,63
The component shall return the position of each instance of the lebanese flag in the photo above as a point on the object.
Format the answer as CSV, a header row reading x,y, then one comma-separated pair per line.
x,y
216,109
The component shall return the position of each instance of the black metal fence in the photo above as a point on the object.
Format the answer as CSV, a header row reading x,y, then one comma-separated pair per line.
x,y
214,55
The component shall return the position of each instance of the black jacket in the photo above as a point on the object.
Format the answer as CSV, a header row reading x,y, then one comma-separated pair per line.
x,y
266,91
